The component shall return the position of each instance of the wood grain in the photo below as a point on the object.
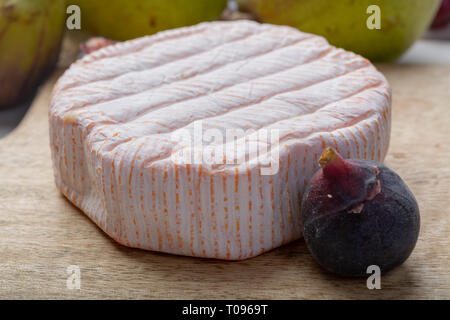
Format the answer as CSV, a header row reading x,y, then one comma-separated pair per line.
x,y
41,233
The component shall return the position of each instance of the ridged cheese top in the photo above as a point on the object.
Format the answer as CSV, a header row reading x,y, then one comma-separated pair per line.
x,y
228,75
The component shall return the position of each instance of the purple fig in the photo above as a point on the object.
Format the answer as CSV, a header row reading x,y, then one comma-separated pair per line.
x,y
358,213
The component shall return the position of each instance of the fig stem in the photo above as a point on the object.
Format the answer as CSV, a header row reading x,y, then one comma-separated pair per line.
x,y
327,156
333,165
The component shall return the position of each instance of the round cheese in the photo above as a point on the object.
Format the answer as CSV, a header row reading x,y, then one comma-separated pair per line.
x,y
200,141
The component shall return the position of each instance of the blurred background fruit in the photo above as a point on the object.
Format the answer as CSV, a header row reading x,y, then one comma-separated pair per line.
x,y
30,38
443,16
122,20
343,22
94,44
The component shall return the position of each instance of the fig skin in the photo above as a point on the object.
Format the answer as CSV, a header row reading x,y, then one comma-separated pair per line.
x,y
361,214
94,44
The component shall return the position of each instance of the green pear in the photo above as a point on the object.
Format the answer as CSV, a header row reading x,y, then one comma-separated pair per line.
x,y
123,20
344,22
30,39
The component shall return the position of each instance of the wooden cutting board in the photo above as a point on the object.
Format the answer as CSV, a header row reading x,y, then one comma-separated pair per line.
x,y
41,233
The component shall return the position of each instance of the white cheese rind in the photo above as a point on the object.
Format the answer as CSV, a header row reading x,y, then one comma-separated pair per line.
x,y
114,113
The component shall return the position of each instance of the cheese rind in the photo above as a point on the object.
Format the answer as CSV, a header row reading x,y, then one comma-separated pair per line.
x,y
114,115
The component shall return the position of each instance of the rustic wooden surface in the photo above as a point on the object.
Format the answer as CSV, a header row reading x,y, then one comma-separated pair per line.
x,y
41,233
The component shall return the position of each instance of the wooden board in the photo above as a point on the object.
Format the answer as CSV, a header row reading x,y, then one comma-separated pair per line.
x,y
41,233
